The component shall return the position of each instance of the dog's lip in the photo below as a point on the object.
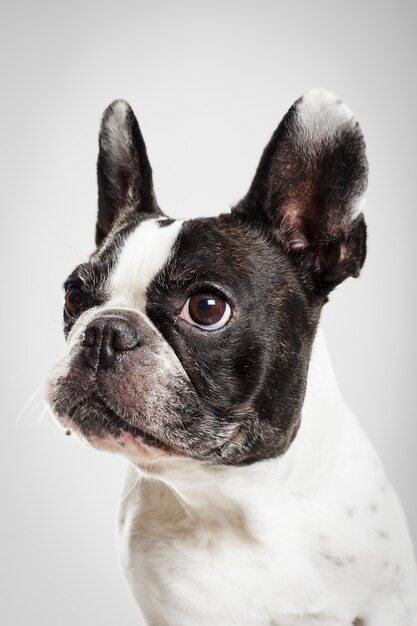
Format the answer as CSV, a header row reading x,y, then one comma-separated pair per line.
x,y
136,431
127,433
117,420
125,443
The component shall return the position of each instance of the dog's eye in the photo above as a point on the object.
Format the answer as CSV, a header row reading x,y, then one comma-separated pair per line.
x,y
73,302
206,310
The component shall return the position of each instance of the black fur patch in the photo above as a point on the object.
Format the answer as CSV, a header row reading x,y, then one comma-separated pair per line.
x,y
251,374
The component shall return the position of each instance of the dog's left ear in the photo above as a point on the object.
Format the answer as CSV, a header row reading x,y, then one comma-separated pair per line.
x,y
309,188
124,174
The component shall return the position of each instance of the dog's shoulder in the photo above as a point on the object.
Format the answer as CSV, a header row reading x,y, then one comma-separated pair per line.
x,y
351,529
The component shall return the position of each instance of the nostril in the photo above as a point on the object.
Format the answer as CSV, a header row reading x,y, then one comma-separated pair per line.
x,y
89,337
125,337
106,338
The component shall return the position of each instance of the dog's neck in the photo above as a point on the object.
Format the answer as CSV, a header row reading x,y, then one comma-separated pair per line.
x,y
301,470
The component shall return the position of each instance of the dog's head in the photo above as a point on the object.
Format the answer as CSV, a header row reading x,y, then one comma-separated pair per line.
x,y
193,338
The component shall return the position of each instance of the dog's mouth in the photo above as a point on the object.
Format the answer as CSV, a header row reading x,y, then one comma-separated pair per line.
x,y
96,420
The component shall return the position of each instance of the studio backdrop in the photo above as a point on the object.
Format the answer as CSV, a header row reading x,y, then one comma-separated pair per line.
x,y
209,82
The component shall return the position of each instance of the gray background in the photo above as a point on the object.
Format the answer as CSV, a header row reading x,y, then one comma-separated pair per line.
x,y
209,82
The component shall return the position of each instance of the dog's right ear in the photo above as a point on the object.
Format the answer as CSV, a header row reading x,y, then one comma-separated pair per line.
x,y
124,174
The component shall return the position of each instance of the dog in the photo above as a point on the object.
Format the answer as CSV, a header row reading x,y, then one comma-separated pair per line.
x,y
253,497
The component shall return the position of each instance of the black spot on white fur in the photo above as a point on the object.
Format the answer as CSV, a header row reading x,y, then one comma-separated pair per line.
x,y
333,559
350,511
382,534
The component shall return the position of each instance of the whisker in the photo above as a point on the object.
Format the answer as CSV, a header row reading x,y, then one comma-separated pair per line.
x,y
74,251
38,421
33,410
135,484
31,398
181,502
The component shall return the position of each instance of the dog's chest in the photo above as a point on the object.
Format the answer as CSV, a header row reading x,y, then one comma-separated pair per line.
x,y
217,567
248,577
229,567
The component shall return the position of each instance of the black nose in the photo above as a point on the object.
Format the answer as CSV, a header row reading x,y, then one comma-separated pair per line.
x,y
106,338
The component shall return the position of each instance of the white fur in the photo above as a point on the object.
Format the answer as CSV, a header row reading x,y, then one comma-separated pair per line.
x,y
144,253
320,117
117,139
314,537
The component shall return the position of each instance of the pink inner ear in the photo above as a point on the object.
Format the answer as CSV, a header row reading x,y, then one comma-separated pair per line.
x,y
291,229
343,252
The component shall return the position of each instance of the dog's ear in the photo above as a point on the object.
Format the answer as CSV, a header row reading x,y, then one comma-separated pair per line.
x,y
309,189
124,173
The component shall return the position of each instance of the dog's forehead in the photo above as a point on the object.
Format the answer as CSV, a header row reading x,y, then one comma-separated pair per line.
x,y
144,253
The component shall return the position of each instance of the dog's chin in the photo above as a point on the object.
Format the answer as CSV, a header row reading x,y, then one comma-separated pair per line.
x,y
133,446
104,429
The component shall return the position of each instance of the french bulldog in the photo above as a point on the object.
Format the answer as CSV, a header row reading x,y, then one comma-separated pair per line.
x,y
253,496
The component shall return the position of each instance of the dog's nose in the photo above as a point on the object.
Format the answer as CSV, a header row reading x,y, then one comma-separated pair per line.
x,y
107,337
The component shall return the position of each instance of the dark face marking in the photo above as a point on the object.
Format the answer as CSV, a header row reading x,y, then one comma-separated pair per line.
x,y
250,375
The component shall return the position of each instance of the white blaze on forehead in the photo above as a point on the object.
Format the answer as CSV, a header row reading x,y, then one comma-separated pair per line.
x,y
144,253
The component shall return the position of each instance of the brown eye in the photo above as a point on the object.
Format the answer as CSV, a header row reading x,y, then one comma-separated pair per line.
x,y
206,310
73,303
